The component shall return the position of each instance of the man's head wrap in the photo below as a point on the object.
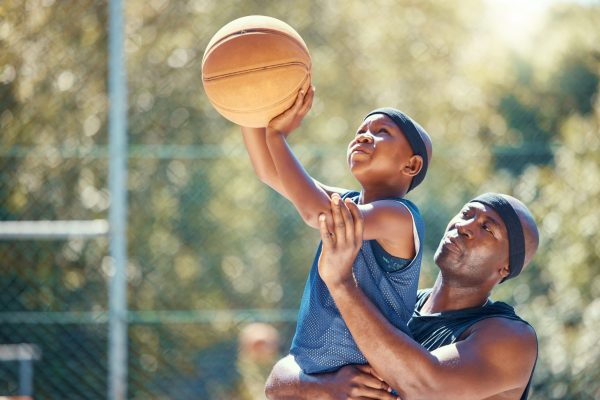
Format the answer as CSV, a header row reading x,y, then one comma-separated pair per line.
x,y
516,238
412,131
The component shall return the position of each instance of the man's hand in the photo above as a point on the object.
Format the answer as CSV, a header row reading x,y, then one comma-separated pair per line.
x,y
341,246
358,382
287,381
292,117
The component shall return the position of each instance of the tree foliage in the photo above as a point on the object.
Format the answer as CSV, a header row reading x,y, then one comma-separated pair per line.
x,y
205,236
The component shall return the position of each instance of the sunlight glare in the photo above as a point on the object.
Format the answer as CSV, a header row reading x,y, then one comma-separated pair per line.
x,y
514,22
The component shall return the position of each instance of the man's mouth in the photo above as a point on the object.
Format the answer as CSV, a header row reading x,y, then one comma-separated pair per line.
x,y
451,244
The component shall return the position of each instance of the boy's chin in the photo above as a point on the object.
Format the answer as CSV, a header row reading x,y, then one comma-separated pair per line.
x,y
360,174
358,167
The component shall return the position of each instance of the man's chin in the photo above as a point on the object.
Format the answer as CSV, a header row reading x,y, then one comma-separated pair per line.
x,y
446,260
441,257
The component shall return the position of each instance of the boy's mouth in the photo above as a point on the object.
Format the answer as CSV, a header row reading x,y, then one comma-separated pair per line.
x,y
357,149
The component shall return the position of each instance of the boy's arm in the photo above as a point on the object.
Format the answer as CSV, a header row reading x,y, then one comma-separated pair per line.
x,y
277,166
309,198
287,381
385,220
262,162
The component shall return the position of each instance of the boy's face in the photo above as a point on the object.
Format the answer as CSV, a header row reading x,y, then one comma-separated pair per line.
x,y
379,150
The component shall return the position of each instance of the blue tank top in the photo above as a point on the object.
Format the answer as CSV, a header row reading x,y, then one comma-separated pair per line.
x,y
322,342
433,331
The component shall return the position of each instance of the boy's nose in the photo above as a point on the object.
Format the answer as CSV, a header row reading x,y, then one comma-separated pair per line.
x,y
365,137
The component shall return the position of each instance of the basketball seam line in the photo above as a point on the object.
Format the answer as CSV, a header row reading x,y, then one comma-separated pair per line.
x,y
240,111
254,30
230,74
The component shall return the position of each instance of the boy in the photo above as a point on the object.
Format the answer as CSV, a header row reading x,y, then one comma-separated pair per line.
x,y
388,156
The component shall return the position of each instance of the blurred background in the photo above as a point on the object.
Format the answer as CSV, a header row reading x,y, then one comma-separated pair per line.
x,y
217,261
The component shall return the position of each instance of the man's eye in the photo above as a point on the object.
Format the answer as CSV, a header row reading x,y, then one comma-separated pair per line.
x,y
487,228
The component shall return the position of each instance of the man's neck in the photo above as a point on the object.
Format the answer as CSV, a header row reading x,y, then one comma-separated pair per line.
x,y
445,297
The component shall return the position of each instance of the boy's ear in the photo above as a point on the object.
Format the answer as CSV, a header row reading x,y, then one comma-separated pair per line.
x,y
413,166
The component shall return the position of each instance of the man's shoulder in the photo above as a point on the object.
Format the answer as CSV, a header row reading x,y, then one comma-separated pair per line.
x,y
504,342
503,349
515,332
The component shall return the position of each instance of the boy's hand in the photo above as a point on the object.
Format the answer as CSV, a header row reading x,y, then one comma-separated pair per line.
x,y
341,246
292,117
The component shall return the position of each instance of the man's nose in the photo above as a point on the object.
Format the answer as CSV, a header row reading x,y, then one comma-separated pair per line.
x,y
464,228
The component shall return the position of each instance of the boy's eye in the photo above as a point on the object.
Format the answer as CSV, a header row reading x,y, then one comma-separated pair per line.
x,y
384,131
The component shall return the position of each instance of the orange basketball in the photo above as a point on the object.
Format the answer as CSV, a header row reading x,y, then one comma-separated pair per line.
x,y
253,69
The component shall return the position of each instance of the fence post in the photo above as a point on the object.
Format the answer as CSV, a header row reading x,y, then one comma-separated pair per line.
x,y
117,127
25,354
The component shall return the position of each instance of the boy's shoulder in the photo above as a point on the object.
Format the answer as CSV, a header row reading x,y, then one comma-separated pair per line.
x,y
355,196
409,204
412,208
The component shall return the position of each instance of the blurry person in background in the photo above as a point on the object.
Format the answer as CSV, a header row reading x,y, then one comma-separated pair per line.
x,y
258,350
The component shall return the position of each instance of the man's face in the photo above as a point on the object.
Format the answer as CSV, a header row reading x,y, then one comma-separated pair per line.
x,y
474,246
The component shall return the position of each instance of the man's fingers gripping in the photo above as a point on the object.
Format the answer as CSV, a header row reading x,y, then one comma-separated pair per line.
x,y
370,387
326,236
357,218
348,220
338,220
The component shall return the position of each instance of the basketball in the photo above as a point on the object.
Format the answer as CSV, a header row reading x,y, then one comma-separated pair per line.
x,y
253,69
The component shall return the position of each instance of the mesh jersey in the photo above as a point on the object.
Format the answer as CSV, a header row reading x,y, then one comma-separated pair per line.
x,y
322,341
441,329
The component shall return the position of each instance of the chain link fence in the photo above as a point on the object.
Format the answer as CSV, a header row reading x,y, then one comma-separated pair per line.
x,y
215,258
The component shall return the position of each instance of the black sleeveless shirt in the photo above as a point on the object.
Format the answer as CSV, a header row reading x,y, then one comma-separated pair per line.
x,y
436,330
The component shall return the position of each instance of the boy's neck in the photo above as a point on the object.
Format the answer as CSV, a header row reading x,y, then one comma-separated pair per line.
x,y
370,194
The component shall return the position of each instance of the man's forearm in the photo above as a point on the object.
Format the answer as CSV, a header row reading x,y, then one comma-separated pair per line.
x,y
396,357
287,381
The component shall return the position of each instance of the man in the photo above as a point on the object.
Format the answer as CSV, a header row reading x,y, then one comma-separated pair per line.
x,y
474,348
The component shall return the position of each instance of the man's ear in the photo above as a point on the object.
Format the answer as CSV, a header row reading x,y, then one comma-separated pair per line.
x,y
505,271
413,166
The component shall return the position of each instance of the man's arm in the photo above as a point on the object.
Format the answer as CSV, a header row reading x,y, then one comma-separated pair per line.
x,y
496,357
287,381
